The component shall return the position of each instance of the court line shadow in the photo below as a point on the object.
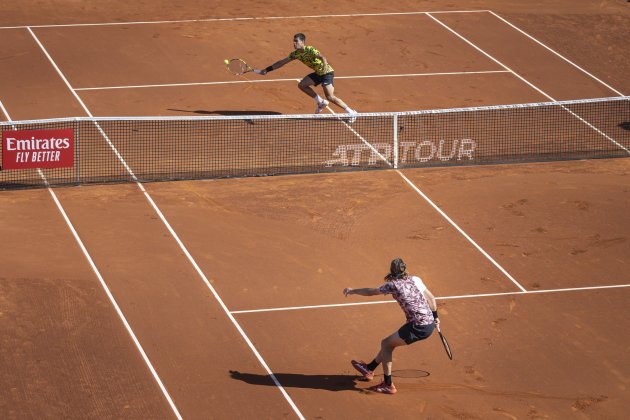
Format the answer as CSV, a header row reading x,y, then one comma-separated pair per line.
x,y
226,112
333,383
625,125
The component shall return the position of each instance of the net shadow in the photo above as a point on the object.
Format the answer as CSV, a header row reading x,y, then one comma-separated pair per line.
x,y
225,113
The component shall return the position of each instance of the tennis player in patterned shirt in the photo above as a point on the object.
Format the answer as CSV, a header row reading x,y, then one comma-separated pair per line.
x,y
323,74
420,310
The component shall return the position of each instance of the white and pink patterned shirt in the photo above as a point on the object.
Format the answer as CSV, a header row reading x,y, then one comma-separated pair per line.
x,y
408,293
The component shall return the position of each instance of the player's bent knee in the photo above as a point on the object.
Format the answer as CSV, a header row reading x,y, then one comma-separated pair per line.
x,y
385,344
305,83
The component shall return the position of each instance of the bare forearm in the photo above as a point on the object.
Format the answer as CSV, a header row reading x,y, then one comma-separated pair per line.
x,y
362,292
277,65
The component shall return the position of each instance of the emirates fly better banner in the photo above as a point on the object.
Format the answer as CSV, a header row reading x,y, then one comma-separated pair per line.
x,y
38,149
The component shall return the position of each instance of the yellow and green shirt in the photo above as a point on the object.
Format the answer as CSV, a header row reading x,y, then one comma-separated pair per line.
x,y
309,57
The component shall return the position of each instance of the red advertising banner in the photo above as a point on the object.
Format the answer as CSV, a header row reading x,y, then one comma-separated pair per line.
x,y
26,149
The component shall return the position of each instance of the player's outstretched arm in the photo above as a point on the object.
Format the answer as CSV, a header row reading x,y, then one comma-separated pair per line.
x,y
276,65
362,292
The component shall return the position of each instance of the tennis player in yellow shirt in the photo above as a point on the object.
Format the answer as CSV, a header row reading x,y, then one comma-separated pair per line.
x,y
323,74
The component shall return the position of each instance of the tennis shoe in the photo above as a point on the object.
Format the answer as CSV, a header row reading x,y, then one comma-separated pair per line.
x,y
320,106
383,388
361,366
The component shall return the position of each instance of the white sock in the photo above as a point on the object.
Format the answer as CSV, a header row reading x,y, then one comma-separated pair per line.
x,y
319,99
349,110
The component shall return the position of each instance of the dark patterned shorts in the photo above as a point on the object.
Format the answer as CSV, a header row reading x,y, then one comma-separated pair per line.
x,y
413,332
324,80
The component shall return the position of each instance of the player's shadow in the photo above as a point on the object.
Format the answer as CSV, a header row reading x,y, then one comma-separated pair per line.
x,y
226,113
625,125
333,383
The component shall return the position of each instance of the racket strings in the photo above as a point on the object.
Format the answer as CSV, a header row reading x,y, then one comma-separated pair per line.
x,y
237,66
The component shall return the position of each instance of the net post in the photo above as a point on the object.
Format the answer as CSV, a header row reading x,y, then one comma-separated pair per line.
x,y
77,159
395,141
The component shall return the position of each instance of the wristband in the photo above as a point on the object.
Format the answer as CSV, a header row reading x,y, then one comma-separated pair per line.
x,y
435,315
268,69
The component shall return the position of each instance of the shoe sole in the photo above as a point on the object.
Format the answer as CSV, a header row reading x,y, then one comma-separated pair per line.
x,y
365,375
382,392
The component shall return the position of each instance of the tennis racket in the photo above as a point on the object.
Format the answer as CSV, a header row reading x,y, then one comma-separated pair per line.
x,y
447,348
239,67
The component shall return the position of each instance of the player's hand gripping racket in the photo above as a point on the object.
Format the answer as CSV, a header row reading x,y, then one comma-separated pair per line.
x,y
444,342
239,67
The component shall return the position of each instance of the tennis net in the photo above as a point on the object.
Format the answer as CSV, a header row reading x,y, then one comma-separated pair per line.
x,y
170,148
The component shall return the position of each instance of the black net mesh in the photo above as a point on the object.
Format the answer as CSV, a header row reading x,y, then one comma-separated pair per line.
x,y
156,149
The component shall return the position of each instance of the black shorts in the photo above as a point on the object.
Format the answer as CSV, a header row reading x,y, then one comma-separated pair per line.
x,y
325,80
413,332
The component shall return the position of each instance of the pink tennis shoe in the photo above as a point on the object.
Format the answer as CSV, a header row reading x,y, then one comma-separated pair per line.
x,y
383,388
361,366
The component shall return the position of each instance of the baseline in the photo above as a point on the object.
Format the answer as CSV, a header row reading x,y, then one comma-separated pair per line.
x,y
236,19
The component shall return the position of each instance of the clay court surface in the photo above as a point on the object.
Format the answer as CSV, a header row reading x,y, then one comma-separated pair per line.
x,y
223,298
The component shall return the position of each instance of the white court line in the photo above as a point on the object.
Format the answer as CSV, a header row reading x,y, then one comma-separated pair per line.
x,y
93,265
435,207
557,53
454,73
182,247
105,287
379,302
530,84
233,82
4,110
237,19
463,38
461,231
294,308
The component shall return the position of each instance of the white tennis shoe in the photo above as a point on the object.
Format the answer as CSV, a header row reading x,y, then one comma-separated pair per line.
x,y
320,106
353,116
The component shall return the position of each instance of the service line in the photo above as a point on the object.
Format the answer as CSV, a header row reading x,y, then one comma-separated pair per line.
x,y
379,302
454,73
